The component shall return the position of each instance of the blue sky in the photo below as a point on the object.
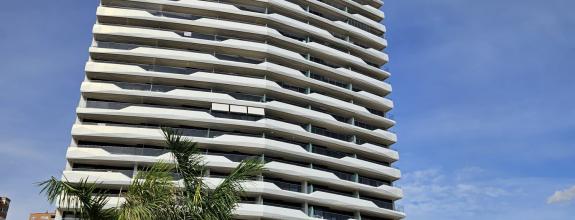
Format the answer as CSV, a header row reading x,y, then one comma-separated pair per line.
x,y
483,93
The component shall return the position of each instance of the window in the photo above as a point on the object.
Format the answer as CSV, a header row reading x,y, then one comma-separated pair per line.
x,y
327,133
329,152
326,213
340,174
283,204
284,184
372,181
382,203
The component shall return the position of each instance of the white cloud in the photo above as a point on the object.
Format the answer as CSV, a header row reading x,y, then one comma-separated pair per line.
x,y
475,193
561,196
467,192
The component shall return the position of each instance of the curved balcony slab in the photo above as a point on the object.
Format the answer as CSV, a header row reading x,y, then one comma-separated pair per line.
x,y
246,29
154,135
107,88
222,8
255,211
251,144
106,32
296,172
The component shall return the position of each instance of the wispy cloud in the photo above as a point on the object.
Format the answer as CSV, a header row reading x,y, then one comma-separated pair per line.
x,y
434,192
475,193
562,196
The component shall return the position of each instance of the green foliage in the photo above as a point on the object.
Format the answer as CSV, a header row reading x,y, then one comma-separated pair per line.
x,y
150,195
84,198
162,191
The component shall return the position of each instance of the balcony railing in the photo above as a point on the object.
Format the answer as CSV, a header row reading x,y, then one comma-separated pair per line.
x,y
327,133
386,204
289,186
372,182
329,80
292,87
324,214
339,174
281,139
365,125
235,157
329,152
268,159
129,173
236,116
360,141
129,150
169,69
246,97
383,163
283,204
106,105
175,15
317,188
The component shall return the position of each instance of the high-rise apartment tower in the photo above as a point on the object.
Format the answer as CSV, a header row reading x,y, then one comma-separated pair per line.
x,y
298,82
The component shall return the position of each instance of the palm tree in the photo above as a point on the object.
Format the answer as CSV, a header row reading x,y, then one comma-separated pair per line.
x,y
154,194
150,195
196,199
84,198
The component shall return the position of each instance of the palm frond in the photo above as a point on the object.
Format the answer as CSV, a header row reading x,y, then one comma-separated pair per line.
x,y
190,164
83,197
225,197
153,194
150,194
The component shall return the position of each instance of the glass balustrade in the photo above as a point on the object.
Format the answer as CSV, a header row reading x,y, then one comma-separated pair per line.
x,y
372,182
340,174
283,204
122,150
329,152
327,133
285,185
325,213
382,203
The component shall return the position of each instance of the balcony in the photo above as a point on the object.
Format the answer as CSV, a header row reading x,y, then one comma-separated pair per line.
x,y
268,159
382,203
342,175
329,152
325,213
285,185
123,150
327,133
235,157
283,204
329,80
372,182
127,171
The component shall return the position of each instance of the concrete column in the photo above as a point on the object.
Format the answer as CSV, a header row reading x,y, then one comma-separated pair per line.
x,y
310,211
356,215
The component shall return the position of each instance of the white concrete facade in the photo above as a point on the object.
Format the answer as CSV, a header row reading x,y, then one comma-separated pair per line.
x,y
299,83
